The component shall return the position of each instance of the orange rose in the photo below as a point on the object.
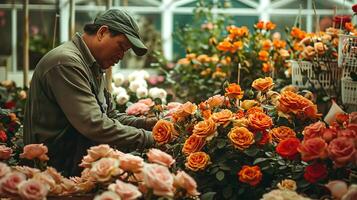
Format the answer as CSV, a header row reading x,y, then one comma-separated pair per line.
x,y
215,101
263,55
234,91
224,46
312,149
184,111
163,131
279,44
267,67
223,117
281,133
241,137
193,144
320,48
197,161
349,26
263,84
308,53
259,25
253,110
259,121
251,175
270,26
205,129
266,45
35,151
183,61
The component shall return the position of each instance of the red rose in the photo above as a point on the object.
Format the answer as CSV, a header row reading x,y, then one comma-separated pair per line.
x,y
3,136
266,138
10,105
288,148
315,172
354,8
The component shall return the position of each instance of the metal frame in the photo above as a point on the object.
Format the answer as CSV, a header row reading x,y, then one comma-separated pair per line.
x,y
167,8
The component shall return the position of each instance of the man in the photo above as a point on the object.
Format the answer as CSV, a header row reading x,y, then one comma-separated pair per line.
x,y
69,109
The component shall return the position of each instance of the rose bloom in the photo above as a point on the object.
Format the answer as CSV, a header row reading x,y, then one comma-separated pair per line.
x,y
3,136
329,134
223,117
263,55
32,190
266,138
250,174
279,194
5,152
49,181
281,133
337,188
349,133
263,84
100,151
341,118
259,121
206,129
160,157
163,131
107,195
315,172
353,118
241,137
215,101
9,183
287,184
234,91
314,130
126,191
4,169
197,161
192,144
28,171
351,193
342,151
247,104
103,169
186,182
288,148
159,179
312,149
320,48
253,110
183,111
131,163
32,151
137,109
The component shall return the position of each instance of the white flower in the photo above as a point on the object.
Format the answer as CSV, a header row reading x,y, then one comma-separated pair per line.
x,y
118,90
122,98
118,79
141,92
158,93
142,74
134,85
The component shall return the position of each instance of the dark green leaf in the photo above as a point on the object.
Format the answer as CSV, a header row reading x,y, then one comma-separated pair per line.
x,y
220,175
221,144
251,152
208,196
227,192
259,160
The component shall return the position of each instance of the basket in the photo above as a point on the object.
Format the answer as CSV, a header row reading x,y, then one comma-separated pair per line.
x,y
329,78
349,92
347,54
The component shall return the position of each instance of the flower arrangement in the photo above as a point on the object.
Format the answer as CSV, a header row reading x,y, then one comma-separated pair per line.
x,y
119,175
240,149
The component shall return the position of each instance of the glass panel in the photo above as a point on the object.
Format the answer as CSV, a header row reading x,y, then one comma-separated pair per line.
x,y
5,38
286,21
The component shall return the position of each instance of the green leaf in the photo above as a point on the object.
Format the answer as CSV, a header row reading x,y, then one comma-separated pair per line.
x,y
260,160
241,190
227,192
251,152
221,144
208,196
220,175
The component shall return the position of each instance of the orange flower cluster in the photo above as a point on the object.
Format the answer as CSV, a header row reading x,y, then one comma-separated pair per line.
x,y
261,25
237,32
203,58
281,133
232,47
250,174
234,91
184,111
291,103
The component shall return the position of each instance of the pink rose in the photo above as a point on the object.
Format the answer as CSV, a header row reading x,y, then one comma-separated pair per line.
x,y
10,182
28,171
32,151
137,109
173,105
314,130
126,191
100,151
49,181
103,169
5,152
159,179
352,127
32,190
353,118
160,157
312,149
337,188
351,193
185,181
329,134
107,195
147,102
4,169
87,161
131,163
342,151
349,133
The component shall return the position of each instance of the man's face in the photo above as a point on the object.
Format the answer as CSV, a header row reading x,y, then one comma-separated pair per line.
x,y
111,49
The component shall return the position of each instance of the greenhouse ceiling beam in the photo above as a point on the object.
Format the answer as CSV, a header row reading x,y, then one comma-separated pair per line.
x,y
264,5
31,6
250,3
343,3
153,2
174,4
167,28
280,3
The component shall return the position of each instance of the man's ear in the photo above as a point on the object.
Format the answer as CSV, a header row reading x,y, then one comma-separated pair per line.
x,y
102,31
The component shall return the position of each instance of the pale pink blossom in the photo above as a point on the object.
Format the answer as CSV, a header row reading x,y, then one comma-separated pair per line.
x,y
49,181
104,169
32,190
107,195
131,163
147,101
83,185
4,169
5,152
100,151
160,157
126,191
185,181
342,151
28,171
9,183
33,151
337,188
137,109
159,179
314,130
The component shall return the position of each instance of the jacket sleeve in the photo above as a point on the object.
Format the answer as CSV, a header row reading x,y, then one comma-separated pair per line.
x,y
70,88
138,122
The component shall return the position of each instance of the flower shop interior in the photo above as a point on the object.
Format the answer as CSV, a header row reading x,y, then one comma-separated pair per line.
x,y
214,99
